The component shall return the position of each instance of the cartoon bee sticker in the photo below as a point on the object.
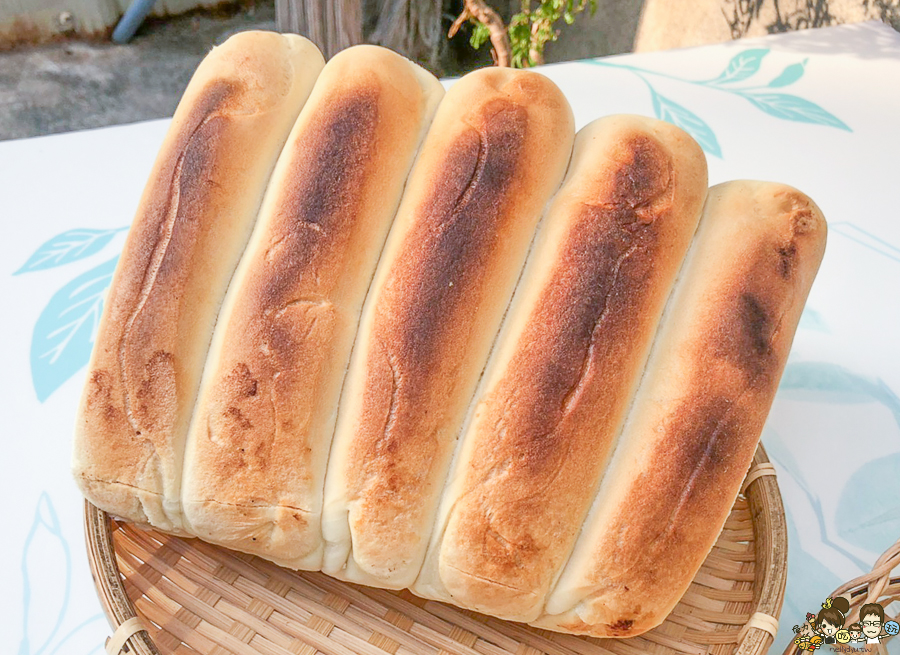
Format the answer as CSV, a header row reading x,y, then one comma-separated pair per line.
x,y
802,643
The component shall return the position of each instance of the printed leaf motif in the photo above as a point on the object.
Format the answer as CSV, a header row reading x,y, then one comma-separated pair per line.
x,y
742,65
44,605
867,240
792,108
841,385
67,247
789,75
810,319
868,520
801,596
677,115
64,333
84,639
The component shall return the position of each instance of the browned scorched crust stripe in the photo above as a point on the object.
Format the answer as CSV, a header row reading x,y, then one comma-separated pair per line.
x,y
258,447
192,224
568,360
698,414
496,152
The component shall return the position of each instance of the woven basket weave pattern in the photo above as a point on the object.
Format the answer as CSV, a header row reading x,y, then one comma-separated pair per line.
x,y
198,598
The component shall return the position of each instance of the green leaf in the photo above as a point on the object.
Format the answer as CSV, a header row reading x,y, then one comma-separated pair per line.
x,y
480,35
534,26
518,20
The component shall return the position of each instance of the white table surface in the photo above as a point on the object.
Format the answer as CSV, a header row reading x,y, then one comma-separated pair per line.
x,y
819,110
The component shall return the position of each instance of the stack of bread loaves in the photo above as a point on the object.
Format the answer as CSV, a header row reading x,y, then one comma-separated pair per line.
x,y
441,344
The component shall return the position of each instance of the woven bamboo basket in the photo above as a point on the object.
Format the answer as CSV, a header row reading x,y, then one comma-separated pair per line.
x,y
880,585
164,594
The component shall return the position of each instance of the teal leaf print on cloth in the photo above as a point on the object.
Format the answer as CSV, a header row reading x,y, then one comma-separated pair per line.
x,y
840,385
46,557
688,121
800,595
870,520
68,247
866,240
793,108
64,332
43,608
743,65
789,75
810,319
860,514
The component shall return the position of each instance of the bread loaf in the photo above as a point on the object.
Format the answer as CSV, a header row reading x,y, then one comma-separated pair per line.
x,y
192,224
698,413
398,376
496,152
571,351
261,434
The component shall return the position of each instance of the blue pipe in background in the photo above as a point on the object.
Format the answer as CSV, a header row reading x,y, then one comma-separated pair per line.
x,y
131,20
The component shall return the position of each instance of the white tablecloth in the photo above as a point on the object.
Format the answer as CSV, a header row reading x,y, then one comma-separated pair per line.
x,y
818,110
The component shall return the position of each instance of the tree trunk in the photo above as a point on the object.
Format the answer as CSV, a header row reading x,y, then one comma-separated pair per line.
x,y
331,24
413,28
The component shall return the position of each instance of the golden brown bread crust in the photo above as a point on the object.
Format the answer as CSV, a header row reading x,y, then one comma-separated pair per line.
x,y
575,337
256,455
496,152
697,417
572,349
192,224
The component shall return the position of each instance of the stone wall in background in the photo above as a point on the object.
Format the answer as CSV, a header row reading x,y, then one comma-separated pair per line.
x,y
681,23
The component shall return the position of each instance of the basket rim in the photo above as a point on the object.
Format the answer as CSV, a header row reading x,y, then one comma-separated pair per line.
x,y
762,493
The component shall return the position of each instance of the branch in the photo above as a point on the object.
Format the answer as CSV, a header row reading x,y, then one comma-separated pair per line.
x,y
535,53
479,10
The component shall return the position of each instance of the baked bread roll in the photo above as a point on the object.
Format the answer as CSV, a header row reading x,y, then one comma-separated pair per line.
x,y
698,413
568,359
259,442
496,152
191,227
351,384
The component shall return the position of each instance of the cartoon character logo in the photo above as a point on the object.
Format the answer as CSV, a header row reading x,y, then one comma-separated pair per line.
x,y
827,627
871,617
802,643
805,632
831,618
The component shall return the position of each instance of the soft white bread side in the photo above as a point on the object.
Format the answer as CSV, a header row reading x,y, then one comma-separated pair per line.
x,y
258,446
192,224
496,152
698,413
571,351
